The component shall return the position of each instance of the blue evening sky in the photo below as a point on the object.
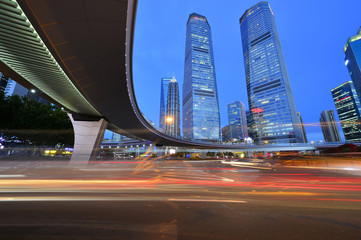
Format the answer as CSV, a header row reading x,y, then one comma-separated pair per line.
x,y
312,33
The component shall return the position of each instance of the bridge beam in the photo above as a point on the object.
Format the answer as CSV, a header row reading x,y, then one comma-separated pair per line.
x,y
88,134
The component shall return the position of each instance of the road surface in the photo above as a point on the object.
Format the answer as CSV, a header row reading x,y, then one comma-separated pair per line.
x,y
177,200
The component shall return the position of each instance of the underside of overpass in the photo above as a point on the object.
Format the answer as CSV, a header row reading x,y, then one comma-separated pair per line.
x,y
78,54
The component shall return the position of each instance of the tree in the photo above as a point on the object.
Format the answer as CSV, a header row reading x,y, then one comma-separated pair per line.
x,y
210,154
34,123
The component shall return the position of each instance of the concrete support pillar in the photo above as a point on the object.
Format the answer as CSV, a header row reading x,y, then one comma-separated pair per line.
x,y
203,154
88,136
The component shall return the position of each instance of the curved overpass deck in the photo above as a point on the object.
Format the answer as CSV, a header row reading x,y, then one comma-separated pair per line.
x,y
79,54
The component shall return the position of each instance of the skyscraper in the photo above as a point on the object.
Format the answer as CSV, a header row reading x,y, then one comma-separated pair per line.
x,y
304,136
237,120
116,137
226,134
201,119
3,82
270,97
329,127
14,88
172,116
353,60
249,124
163,101
348,108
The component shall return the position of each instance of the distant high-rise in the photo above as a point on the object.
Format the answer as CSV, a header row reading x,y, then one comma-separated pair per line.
x,y
3,82
249,124
348,109
163,102
116,137
172,113
33,96
14,88
304,136
226,134
353,60
201,119
270,97
329,127
237,120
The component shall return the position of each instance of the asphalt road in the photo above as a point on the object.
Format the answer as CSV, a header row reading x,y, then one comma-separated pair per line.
x,y
177,200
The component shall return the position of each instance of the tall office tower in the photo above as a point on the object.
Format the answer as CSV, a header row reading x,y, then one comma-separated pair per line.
x,y
14,88
172,116
249,124
353,60
163,102
304,136
3,82
201,119
226,134
116,137
348,108
33,96
237,120
329,127
269,91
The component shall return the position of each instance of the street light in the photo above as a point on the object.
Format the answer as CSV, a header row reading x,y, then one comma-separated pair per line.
x,y
169,119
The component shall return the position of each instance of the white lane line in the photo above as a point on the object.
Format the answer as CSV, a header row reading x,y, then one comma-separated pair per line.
x,y
215,177
324,168
246,165
12,175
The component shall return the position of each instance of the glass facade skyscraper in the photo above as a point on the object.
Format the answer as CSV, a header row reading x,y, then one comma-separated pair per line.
x,y
14,88
226,134
303,128
163,101
353,60
270,97
3,82
237,120
201,119
172,116
348,108
329,126
249,124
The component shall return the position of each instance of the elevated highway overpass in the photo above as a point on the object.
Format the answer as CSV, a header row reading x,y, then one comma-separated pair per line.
x,y
78,55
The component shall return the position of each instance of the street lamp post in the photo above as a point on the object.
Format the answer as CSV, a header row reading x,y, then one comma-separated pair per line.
x,y
169,120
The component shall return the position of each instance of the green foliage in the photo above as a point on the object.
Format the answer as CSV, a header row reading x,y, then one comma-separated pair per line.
x,y
229,154
180,154
210,154
32,122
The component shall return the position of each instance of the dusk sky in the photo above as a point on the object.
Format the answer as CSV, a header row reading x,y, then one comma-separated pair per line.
x,y
312,33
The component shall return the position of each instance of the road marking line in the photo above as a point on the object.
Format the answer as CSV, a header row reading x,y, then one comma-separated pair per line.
x,y
12,175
